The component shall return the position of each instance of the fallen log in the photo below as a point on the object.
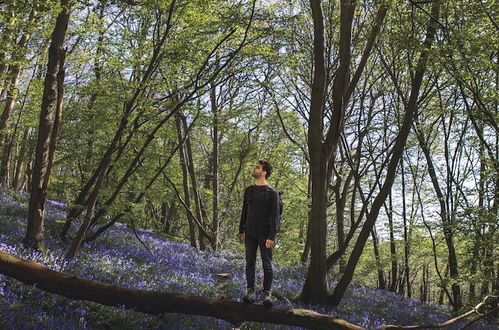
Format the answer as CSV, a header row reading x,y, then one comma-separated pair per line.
x,y
156,302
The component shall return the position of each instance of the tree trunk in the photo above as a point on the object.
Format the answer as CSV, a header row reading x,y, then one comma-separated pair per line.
x,y
185,180
215,157
15,73
306,249
381,275
446,224
322,149
21,158
34,233
56,125
406,235
397,151
92,199
393,253
316,287
200,213
7,18
159,303
93,97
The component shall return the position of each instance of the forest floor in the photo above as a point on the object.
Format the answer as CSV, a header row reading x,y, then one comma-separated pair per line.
x,y
118,257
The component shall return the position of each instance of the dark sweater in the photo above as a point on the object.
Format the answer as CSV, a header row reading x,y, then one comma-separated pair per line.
x,y
260,211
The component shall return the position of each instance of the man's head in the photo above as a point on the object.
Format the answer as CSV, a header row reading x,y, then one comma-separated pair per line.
x,y
262,168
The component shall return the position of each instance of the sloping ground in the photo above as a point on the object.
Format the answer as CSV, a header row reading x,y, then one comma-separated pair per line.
x,y
118,257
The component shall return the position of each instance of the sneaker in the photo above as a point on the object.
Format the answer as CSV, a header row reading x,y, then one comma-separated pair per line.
x,y
267,298
250,296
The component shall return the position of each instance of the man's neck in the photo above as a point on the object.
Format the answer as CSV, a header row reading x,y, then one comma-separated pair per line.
x,y
261,181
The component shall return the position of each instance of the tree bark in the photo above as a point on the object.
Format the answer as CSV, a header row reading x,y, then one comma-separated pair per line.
x,y
393,252
406,234
316,287
92,199
158,303
322,149
397,151
215,157
200,212
21,158
381,275
34,233
185,180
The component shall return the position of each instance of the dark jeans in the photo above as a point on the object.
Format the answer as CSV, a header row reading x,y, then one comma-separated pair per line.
x,y
252,243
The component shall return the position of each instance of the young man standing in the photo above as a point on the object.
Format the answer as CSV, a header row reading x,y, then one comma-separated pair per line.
x,y
257,229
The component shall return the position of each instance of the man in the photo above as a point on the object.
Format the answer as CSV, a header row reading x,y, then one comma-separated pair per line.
x,y
257,229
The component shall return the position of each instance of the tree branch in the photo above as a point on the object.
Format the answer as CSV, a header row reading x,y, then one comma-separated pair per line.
x,y
487,300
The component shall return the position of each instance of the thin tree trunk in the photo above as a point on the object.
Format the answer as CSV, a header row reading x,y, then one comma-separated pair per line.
x,y
7,15
185,180
56,125
129,106
406,235
381,275
393,253
446,223
21,158
75,245
34,233
93,97
192,174
215,156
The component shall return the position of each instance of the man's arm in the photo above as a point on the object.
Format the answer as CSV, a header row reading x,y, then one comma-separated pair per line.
x,y
244,213
274,214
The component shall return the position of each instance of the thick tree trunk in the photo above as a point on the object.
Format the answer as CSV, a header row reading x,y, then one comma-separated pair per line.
x,y
34,233
158,303
397,151
322,149
316,288
306,249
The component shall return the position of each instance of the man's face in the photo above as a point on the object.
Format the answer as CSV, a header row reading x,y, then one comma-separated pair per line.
x,y
258,171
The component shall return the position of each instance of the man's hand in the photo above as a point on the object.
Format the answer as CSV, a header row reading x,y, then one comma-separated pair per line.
x,y
241,238
269,243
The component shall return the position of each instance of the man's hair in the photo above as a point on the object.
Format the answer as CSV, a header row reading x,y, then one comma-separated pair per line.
x,y
266,167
